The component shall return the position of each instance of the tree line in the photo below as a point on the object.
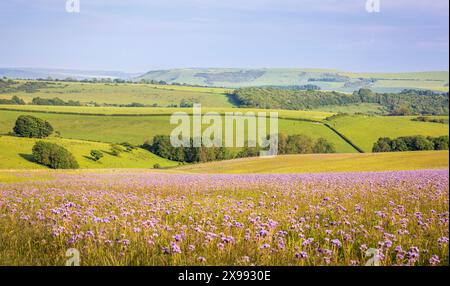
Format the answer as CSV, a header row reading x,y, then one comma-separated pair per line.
x,y
287,144
411,143
407,102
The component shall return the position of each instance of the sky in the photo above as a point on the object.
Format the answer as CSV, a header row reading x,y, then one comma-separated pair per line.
x,y
143,35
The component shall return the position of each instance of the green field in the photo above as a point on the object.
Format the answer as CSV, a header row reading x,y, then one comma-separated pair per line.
x,y
318,163
138,129
138,111
15,153
367,108
148,94
364,131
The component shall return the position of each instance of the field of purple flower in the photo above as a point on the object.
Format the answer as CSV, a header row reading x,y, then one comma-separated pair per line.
x,y
147,218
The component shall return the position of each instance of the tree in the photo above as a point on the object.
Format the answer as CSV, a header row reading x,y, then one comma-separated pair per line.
x,y
382,145
32,127
282,144
421,144
440,143
399,145
300,144
96,155
53,156
322,146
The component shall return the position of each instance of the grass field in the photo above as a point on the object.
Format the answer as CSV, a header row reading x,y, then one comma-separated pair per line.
x,y
364,131
318,163
127,93
15,153
138,129
367,108
137,111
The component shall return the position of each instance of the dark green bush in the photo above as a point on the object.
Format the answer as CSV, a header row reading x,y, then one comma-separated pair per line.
x,y
32,127
53,156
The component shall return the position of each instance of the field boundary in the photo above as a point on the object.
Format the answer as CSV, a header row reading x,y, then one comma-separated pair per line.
x,y
344,138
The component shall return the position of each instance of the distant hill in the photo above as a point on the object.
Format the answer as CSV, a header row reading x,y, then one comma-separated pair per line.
x,y
36,73
326,79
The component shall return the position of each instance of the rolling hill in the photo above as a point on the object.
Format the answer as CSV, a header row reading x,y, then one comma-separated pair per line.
x,y
15,153
327,79
319,163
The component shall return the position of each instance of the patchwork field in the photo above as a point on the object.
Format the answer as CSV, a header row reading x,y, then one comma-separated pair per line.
x,y
340,80
138,129
15,153
364,131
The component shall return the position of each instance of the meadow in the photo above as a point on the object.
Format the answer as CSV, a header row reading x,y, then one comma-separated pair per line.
x,y
15,153
112,93
138,129
364,130
319,163
144,218
312,115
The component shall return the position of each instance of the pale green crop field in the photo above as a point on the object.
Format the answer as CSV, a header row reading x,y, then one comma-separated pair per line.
x,y
364,131
15,153
318,163
138,129
291,114
128,93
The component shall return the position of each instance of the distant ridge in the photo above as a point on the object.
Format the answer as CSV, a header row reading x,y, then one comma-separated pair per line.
x,y
38,73
326,79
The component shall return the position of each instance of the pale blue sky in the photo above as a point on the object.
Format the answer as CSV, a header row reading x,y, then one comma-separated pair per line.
x,y
139,35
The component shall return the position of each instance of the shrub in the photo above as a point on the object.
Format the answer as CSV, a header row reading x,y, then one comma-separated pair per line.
x,y
157,166
53,156
116,150
96,155
32,127
300,144
127,146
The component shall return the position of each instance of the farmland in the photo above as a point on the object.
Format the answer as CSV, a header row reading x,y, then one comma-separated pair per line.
x,y
138,129
319,163
364,131
15,153
335,79
144,218
110,93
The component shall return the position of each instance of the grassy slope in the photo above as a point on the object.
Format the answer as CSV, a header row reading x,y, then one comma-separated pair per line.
x,y
326,163
15,154
138,129
128,93
364,131
367,108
